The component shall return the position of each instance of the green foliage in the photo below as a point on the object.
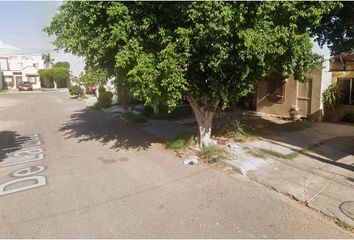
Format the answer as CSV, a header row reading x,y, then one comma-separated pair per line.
x,y
336,28
45,73
48,61
105,99
93,77
213,153
75,91
181,142
58,74
101,89
348,117
61,65
332,96
166,50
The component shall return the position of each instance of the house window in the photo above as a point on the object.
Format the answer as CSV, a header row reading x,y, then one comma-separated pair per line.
x,y
347,85
31,79
276,86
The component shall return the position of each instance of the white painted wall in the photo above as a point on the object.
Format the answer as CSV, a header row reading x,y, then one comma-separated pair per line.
x,y
326,77
31,71
18,62
26,64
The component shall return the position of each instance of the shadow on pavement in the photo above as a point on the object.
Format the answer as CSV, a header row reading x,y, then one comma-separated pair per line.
x,y
333,147
89,125
8,143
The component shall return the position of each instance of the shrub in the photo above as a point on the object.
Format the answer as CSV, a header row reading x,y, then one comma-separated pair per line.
x,y
101,89
213,153
180,142
105,99
348,117
75,91
332,96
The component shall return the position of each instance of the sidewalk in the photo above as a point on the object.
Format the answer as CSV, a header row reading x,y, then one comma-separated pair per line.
x,y
314,166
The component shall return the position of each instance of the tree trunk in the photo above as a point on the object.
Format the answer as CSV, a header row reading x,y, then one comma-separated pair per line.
x,y
155,106
97,91
123,97
204,113
55,84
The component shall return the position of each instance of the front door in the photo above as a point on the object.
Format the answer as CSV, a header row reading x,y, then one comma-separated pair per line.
x,y
304,90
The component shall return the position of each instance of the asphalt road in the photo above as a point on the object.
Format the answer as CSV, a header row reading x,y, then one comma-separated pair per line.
x,y
70,172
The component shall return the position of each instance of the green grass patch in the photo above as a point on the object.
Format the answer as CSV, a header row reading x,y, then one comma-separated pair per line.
x,y
133,118
182,141
257,154
213,154
235,130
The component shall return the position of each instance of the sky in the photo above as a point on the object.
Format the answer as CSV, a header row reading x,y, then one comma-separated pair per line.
x,y
21,25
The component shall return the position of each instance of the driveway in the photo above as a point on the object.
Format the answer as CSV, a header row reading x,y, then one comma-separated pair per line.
x,y
71,172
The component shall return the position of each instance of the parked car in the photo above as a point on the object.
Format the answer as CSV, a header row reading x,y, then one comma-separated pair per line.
x,y
25,86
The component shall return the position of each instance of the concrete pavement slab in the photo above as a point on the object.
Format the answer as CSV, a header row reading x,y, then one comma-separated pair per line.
x,y
166,129
321,174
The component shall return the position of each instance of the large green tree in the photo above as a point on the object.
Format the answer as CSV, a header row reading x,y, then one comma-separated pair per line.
x,y
336,29
210,53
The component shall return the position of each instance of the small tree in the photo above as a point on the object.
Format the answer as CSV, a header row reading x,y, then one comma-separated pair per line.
x,y
332,96
60,76
48,61
46,74
61,65
57,75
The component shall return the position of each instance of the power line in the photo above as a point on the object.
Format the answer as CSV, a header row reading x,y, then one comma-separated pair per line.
x,y
21,33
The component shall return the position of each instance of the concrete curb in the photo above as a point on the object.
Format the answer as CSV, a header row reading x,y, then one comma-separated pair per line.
x,y
252,176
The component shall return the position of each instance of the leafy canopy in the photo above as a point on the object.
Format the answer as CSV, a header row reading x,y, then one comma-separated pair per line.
x,y
336,29
62,65
208,50
93,77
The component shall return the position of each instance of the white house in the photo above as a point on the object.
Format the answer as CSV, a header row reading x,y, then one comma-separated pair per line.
x,y
20,68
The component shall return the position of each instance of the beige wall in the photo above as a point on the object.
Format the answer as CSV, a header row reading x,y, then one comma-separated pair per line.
x,y
281,106
337,65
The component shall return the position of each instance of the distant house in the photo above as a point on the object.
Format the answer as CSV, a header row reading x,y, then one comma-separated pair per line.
x,y
277,95
20,68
